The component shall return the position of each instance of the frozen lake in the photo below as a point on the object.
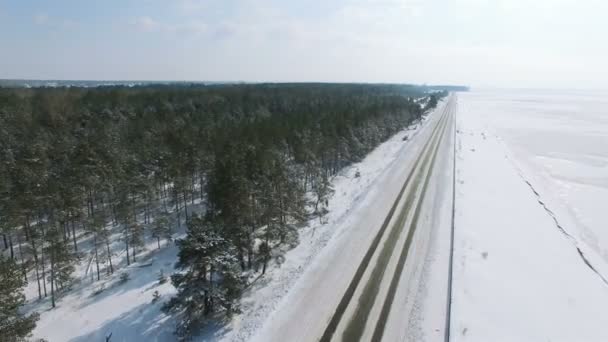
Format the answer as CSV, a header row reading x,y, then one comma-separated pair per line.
x,y
530,259
560,139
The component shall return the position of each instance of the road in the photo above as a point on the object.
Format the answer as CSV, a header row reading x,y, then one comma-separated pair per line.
x,y
366,287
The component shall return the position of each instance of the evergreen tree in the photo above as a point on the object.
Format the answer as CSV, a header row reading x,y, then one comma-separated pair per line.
x,y
321,187
61,260
96,227
264,254
14,326
211,283
161,228
136,239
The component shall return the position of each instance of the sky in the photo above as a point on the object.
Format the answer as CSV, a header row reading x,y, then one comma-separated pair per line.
x,y
500,43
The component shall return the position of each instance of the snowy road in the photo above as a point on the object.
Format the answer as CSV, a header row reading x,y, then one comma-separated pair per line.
x,y
367,287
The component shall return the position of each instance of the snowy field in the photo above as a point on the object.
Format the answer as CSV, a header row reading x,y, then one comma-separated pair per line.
x,y
531,241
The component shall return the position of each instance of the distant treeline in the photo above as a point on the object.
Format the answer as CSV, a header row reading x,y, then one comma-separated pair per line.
x,y
87,162
443,88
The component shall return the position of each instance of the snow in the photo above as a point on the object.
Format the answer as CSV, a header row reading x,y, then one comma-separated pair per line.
x,y
94,309
125,310
561,141
529,242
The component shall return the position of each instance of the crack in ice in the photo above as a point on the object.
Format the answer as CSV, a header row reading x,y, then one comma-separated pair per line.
x,y
557,224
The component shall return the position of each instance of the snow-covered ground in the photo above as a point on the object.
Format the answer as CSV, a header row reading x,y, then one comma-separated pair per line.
x,y
93,309
531,238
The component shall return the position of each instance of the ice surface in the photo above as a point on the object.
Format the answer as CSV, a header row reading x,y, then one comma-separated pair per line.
x,y
531,175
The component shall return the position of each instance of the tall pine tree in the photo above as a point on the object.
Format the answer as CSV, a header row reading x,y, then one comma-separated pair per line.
x,y
14,325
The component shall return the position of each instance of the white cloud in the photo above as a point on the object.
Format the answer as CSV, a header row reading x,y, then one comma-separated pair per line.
x,y
69,24
41,19
44,19
147,24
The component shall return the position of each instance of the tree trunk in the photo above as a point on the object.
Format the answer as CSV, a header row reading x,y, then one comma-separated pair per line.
x,y
179,223
109,256
242,259
91,202
10,242
35,252
158,241
163,194
185,205
134,208
114,219
147,210
133,250
74,235
193,187
127,246
52,281
66,231
249,256
96,256
43,270
22,258
27,235
42,257
201,186
211,289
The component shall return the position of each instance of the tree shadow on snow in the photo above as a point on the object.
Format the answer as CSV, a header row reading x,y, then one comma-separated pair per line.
x,y
148,323
143,277
143,323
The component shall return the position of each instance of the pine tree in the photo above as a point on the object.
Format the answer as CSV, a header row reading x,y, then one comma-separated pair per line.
x,y
136,239
211,283
321,187
264,254
61,260
161,228
14,326
96,226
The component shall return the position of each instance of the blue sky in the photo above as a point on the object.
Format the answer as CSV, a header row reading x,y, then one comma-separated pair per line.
x,y
511,43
